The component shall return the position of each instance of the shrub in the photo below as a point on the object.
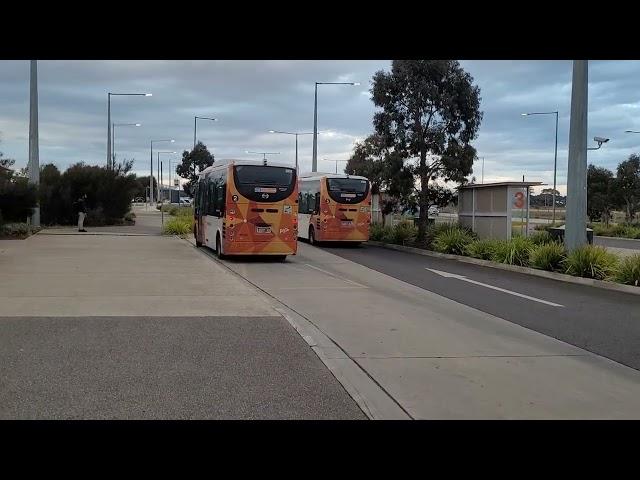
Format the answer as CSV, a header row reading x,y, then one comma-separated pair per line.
x,y
547,256
591,261
513,252
435,229
182,211
178,226
403,232
130,217
18,230
629,271
109,192
17,198
452,240
376,231
482,249
541,237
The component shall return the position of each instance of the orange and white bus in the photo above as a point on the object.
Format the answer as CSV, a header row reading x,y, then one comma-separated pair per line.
x,y
247,208
334,208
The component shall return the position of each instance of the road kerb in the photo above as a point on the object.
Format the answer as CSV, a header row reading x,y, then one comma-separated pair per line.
x,y
372,399
514,268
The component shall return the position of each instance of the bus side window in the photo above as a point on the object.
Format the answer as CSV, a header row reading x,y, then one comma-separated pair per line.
x,y
317,204
195,200
217,198
302,207
209,198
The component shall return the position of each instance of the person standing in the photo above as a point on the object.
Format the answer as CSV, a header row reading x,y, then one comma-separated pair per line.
x,y
81,206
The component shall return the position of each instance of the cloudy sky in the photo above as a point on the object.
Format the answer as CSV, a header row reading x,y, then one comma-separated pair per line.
x,y
251,97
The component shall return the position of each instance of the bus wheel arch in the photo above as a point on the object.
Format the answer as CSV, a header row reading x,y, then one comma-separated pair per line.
x,y
219,253
195,234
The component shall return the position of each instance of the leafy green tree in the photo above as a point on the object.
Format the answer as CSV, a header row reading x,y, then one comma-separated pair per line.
x,y
142,187
194,162
430,110
17,196
599,193
627,186
109,193
384,168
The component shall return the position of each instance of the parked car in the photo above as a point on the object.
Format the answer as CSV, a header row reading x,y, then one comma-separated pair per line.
x,y
433,211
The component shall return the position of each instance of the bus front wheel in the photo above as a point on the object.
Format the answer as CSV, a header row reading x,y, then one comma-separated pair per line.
x,y
195,234
219,248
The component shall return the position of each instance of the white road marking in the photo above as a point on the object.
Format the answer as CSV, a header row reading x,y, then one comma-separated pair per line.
x,y
465,279
335,276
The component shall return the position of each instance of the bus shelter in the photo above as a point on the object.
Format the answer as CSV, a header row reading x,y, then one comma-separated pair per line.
x,y
495,210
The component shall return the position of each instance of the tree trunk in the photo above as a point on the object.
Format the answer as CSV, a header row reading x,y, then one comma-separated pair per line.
x,y
422,200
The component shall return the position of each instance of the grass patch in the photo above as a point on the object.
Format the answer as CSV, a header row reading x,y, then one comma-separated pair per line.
x,y
547,256
591,261
513,252
482,249
17,230
178,226
628,271
452,240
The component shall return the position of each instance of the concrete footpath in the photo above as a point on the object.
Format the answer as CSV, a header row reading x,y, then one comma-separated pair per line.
x,y
112,326
437,358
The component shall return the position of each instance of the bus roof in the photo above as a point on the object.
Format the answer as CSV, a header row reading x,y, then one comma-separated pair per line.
x,y
225,162
319,175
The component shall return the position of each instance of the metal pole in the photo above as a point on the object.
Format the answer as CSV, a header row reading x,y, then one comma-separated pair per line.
x,y
314,162
575,226
159,174
34,157
296,153
113,144
555,168
160,170
482,169
195,125
108,130
151,177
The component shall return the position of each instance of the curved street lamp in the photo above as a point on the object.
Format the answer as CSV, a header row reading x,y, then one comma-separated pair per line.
x,y
314,160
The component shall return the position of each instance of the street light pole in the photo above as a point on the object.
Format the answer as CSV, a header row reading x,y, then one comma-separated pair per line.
x,y
264,154
296,135
575,228
109,94
195,127
151,175
160,173
314,160
34,156
113,137
555,157
482,169
326,160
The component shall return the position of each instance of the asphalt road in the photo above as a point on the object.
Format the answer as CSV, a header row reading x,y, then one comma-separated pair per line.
x,y
601,321
164,368
631,244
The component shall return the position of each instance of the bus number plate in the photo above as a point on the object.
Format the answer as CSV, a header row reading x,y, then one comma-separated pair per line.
x,y
263,229
265,190
348,195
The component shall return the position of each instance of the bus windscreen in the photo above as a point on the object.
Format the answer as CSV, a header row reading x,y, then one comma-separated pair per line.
x,y
264,183
347,190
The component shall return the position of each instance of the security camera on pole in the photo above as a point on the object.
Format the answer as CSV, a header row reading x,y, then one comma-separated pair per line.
x,y
576,224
